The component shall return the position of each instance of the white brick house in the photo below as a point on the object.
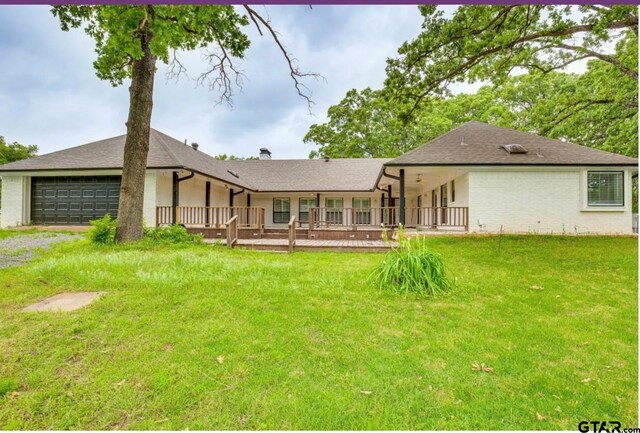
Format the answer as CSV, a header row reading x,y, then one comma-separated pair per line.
x,y
471,179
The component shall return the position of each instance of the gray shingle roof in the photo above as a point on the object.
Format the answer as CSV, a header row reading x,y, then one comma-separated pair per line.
x,y
261,175
476,143
164,152
313,175
473,143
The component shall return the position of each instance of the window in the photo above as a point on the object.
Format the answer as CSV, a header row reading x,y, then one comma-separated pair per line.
x,y
305,205
443,195
362,210
281,210
362,203
605,188
453,190
333,210
443,202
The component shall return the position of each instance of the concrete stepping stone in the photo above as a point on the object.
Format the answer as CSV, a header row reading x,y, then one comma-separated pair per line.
x,y
65,301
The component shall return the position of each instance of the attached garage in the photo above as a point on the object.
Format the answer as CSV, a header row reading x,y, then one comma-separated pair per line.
x,y
73,200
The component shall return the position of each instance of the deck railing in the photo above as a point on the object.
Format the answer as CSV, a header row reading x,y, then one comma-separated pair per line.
x,y
355,218
213,217
232,231
292,233
437,217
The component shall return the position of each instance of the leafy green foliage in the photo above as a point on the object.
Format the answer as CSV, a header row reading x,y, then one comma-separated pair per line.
x,y
117,30
174,234
103,230
489,42
225,157
598,108
371,124
10,152
412,267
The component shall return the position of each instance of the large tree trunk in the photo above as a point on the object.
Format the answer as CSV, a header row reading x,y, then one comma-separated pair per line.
x,y
136,148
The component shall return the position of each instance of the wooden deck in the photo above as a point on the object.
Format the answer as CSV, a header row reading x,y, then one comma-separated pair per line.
x,y
310,245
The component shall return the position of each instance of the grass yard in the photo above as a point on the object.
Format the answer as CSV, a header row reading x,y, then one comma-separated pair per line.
x,y
205,338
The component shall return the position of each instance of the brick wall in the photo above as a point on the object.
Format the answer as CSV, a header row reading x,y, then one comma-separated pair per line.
x,y
539,201
15,199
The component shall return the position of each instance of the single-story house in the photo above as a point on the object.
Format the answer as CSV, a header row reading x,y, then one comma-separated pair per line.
x,y
476,178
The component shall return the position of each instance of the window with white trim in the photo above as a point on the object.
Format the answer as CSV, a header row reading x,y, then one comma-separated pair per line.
x,y
605,188
281,209
333,211
303,208
361,210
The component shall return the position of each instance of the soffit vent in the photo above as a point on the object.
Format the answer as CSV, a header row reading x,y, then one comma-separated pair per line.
x,y
514,148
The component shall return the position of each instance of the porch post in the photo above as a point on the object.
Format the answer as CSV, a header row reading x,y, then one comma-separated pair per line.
x,y
207,203
231,197
175,198
402,196
248,200
392,212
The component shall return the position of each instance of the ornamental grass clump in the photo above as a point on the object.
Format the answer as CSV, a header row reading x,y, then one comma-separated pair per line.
x,y
411,267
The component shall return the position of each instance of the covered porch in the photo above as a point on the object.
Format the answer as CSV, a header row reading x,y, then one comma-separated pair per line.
x,y
421,198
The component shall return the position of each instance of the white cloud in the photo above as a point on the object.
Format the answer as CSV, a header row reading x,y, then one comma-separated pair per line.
x,y
51,96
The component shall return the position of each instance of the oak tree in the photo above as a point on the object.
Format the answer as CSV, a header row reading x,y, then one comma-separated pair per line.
x,y
130,40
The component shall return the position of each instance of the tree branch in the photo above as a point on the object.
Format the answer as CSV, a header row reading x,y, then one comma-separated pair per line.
x,y
604,57
294,72
474,59
222,67
585,105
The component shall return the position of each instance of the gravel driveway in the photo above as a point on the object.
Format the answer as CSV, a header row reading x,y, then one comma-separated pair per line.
x,y
19,249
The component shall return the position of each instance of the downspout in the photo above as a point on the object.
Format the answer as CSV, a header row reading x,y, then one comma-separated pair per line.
x,y
232,195
391,176
176,193
390,194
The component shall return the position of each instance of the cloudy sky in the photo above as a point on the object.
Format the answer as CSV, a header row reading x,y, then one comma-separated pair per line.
x,y
50,96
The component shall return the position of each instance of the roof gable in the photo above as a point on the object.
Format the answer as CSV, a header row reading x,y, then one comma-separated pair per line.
x,y
255,175
477,143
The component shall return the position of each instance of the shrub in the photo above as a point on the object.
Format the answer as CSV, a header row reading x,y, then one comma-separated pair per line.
x,y
411,267
175,234
103,230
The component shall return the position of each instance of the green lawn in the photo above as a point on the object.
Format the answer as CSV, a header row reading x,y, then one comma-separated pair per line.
x,y
309,344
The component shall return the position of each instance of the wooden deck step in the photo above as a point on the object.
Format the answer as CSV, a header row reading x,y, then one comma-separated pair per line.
x,y
314,245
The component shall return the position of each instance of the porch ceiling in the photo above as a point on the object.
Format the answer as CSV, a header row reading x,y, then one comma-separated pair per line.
x,y
418,178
